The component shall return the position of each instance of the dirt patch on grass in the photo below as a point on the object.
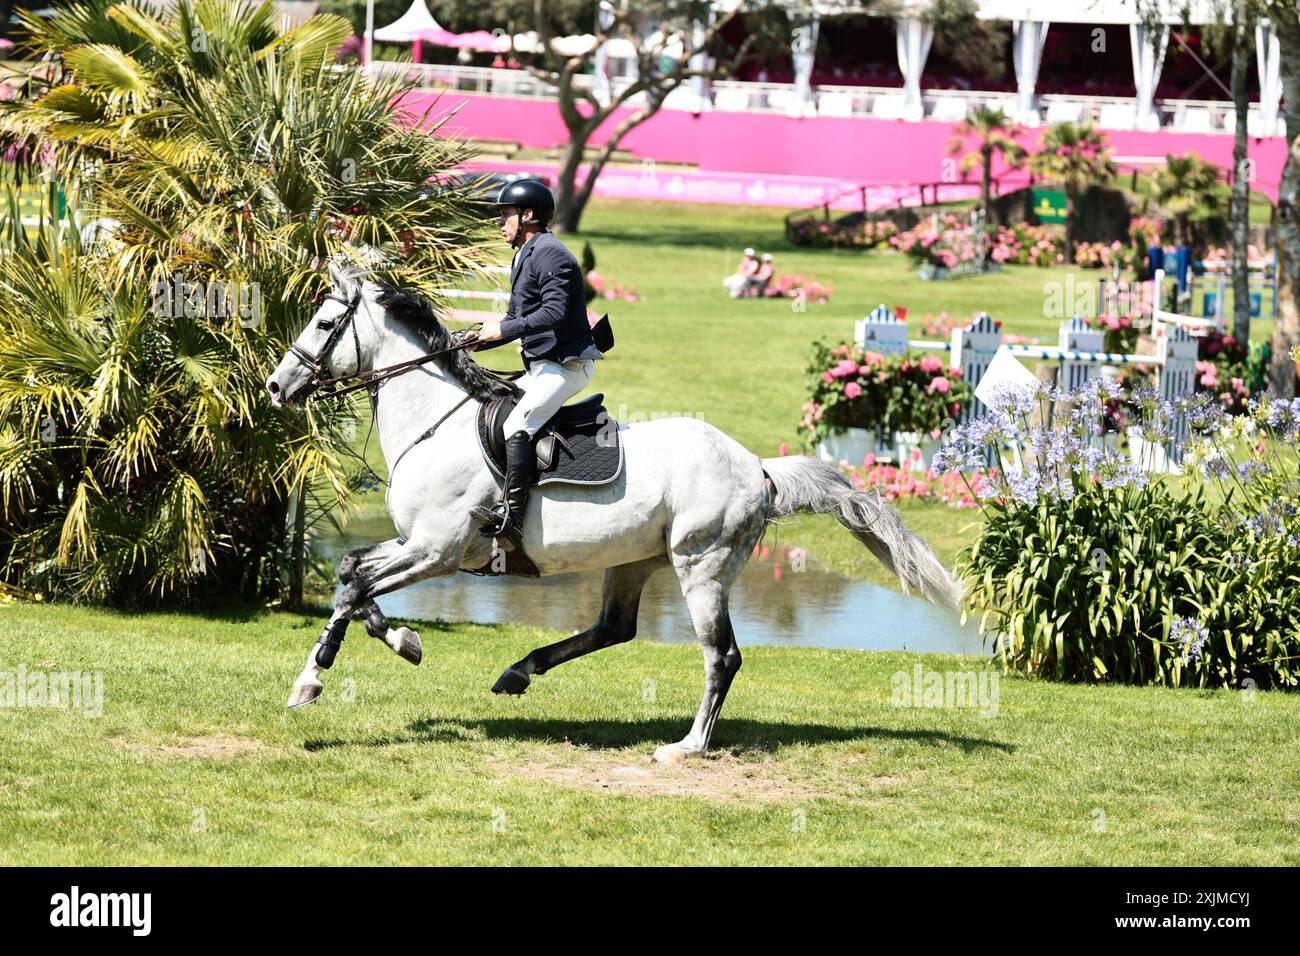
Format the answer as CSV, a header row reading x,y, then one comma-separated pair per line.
x,y
720,777
212,746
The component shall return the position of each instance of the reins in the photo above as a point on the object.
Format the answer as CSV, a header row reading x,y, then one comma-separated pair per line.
x,y
329,387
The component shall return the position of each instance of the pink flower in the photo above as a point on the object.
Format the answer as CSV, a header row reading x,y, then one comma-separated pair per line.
x,y
784,449
827,377
852,390
939,384
931,363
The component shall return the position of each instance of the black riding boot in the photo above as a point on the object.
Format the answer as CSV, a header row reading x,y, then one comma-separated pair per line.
x,y
506,519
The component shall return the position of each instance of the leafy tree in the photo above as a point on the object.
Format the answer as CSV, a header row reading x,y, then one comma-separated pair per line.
x,y
232,157
1190,190
994,136
1076,156
1285,20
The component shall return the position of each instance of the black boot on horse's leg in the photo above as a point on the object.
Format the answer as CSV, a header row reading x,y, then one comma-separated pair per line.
x,y
506,520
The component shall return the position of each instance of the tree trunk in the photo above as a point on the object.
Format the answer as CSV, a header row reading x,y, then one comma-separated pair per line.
x,y
567,216
298,557
1240,210
986,182
1071,214
1286,331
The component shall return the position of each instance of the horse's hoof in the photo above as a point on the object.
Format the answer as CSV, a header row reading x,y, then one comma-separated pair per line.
x,y
304,694
672,754
512,682
411,648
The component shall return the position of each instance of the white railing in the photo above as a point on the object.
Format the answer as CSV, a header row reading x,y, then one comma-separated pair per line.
x,y
880,102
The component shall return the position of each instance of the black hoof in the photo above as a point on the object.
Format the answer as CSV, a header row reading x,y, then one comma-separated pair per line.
x,y
511,682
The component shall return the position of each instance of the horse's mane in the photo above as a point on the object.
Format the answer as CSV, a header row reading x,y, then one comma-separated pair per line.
x,y
416,313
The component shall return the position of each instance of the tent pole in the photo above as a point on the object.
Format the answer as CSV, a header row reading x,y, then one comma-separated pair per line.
x,y
368,41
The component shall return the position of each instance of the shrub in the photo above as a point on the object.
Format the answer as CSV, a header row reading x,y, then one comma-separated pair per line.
x,y
1088,569
850,387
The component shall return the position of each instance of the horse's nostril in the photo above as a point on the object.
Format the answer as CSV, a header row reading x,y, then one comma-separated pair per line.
x,y
272,386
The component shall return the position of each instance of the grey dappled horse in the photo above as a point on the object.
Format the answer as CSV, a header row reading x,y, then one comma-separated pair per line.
x,y
689,498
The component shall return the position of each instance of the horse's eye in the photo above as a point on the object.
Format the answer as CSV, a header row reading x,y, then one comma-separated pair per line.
x,y
325,324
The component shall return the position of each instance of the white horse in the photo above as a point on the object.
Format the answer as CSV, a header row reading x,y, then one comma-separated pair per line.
x,y
688,497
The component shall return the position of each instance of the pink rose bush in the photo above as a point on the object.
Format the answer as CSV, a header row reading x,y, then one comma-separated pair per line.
x,y
851,387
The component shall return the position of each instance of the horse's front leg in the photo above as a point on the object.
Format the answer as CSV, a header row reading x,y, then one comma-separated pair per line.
x,y
365,573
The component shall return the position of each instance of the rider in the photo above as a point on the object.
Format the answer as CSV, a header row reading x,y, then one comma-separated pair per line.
x,y
548,311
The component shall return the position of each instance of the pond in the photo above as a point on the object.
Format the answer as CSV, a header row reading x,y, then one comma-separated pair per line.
x,y
779,601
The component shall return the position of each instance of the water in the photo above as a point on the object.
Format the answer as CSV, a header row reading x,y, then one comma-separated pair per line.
x,y
771,604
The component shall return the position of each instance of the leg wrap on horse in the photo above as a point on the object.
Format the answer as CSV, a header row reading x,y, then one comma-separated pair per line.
x,y
327,646
376,623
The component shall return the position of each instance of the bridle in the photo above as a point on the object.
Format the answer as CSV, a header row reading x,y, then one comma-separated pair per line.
x,y
325,386
322,385
315,364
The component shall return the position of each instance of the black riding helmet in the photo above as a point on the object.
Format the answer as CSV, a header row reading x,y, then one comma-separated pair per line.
x,y
528,194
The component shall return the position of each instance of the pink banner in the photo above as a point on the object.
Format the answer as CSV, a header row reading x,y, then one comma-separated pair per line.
x,y
647,182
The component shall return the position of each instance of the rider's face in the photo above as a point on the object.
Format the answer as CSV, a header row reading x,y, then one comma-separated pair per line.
x,y
509,221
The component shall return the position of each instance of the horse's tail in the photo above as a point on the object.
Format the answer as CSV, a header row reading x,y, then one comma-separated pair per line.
x,y
812,486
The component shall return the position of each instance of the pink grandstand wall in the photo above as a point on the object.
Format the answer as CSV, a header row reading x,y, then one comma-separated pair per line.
x,y
831,151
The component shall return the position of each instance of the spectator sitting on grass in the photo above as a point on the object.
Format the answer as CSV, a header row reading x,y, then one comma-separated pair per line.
x,y
757,283
735,283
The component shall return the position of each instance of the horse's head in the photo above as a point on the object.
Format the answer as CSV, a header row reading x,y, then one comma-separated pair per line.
x,y
331,344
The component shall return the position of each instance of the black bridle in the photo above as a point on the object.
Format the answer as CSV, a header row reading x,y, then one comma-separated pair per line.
x,y
316,364
327,386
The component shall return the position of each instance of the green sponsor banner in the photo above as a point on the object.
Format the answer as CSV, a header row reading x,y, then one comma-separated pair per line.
x,y
1049,205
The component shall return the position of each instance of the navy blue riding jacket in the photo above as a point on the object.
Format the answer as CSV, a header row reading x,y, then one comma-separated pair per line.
x,y
548,309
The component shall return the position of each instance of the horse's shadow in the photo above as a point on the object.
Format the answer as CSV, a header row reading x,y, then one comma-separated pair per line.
x,y
735,736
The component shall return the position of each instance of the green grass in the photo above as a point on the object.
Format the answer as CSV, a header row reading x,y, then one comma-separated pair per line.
x,y
194,759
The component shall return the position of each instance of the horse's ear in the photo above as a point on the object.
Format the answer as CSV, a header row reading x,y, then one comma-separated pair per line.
x,y
337,275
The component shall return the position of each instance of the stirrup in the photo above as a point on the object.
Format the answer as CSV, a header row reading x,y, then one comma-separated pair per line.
x,y
493,520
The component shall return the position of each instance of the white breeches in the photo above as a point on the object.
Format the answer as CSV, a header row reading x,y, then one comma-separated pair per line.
x,y
547,386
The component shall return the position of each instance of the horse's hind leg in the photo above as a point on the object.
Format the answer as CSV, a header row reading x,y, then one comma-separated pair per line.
x,y
616,625
706,583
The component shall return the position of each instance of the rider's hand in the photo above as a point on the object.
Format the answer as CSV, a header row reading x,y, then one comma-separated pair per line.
x,y
490,332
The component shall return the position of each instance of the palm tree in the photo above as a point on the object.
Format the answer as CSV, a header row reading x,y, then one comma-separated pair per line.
x,y
1191,192
1076,156
995,136
232,156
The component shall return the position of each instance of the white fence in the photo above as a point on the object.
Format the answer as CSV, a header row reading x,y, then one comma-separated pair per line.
x,y
974,345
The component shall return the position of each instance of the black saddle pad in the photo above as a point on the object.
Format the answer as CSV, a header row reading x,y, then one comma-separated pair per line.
x,y
579,446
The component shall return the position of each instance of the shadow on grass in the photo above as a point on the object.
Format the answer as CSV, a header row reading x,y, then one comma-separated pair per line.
x,y
738,736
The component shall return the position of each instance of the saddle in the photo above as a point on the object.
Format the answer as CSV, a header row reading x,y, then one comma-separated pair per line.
x,y
579,446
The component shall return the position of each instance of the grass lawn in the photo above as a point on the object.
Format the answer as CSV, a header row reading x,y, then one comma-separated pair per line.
x,y
194,759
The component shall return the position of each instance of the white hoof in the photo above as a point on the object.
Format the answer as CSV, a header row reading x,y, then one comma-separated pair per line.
x,y
674,753
406,644
303,694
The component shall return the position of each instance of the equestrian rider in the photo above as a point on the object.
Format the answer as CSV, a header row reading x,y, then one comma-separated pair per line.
x,y
548,312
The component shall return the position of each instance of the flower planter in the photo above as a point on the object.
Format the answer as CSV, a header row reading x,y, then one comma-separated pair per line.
x,y
852,445
928,271
915,450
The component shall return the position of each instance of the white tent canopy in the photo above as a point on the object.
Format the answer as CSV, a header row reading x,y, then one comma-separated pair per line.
x,y
1027,54
402,29
1101,12
1268,60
